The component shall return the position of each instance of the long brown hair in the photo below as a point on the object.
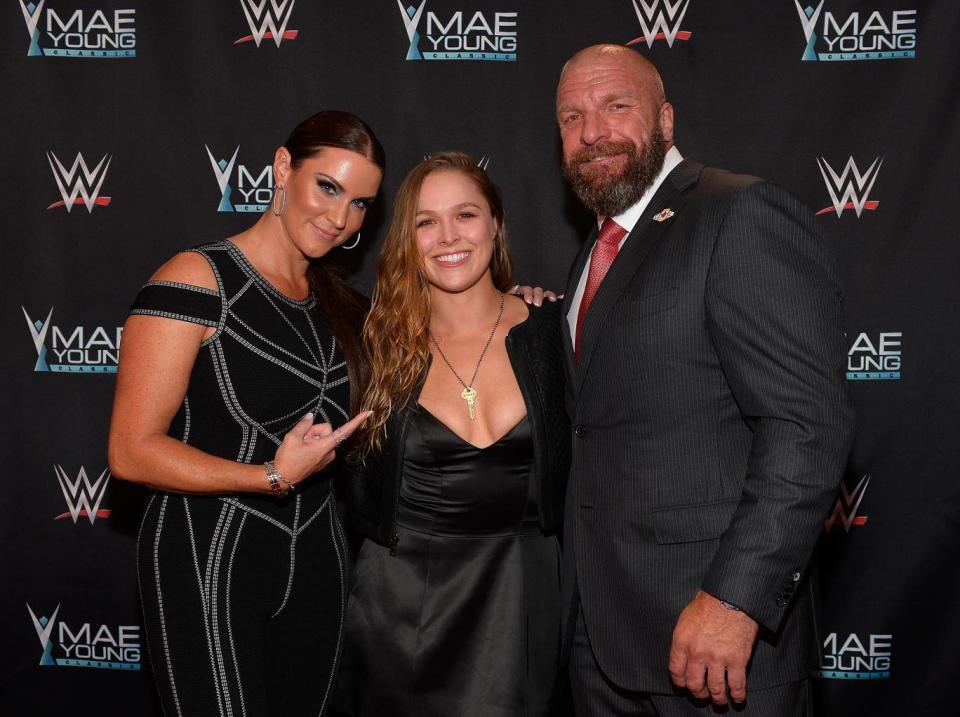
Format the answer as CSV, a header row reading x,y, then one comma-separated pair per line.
x,y
395,334
341,307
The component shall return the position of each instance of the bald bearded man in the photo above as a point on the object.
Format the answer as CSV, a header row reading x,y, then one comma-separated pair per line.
x,y
711,420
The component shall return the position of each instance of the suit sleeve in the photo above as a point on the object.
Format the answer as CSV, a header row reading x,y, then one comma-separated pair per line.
x,y
773,311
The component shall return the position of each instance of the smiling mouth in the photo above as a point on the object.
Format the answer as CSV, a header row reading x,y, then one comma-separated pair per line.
x,y
332,236
452,259
604,158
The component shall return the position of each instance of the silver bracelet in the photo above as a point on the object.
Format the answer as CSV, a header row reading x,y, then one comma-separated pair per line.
x,y
274,478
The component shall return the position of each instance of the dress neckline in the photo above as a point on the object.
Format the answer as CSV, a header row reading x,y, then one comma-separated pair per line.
x,y
251,271
452,432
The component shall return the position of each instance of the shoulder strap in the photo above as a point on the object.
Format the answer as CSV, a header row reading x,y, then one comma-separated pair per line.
x,y
173,300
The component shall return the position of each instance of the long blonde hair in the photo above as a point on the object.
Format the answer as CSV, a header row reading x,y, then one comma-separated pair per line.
x,y
395,334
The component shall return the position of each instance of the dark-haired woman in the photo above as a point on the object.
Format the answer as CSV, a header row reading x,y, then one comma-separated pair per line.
x,y
455,604
233,395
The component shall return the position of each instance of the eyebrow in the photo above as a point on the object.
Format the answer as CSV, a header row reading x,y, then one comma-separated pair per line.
x,y
339,187
458,206
610,97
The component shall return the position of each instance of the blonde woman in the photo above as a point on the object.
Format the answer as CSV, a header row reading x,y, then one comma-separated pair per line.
x,y
455,603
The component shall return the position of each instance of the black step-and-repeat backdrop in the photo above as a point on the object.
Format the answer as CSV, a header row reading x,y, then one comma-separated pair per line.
x,y
131,130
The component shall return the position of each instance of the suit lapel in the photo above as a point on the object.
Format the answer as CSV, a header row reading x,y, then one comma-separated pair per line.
x,y
641,240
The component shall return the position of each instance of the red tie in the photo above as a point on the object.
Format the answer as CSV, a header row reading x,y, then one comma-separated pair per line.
x,y
604,252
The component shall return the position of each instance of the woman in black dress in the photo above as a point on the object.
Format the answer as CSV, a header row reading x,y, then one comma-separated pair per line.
x,y
233,393
454,608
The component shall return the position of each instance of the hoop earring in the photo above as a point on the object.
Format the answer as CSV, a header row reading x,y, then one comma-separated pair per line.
x,y
283,200
354,245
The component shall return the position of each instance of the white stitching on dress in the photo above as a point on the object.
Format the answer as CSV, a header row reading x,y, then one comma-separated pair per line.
x,y
214,613
219,369
221,293
203,600
178,285
186,426
241,292
317,512
233,649
334,524
253,511
293,557
172,315
163,624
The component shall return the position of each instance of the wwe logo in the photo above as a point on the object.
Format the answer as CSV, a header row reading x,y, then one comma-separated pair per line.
x,y
79,181
808,18
267,19
31,16
411,20
38,330
661,23
223,169
845,511
82,496
44,628
850,188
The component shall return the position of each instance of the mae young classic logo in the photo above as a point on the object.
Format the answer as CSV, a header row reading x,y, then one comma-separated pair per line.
x,y
83,497
491,36
86,645
256,191
84,32
860,36
878,360
82,350
848,505
660,20
268,20
850,189
855,658
79,184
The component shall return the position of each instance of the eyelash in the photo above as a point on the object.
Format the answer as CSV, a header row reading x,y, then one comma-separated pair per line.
x,y
328,188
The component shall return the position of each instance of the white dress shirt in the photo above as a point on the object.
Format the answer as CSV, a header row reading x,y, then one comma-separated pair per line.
x,y
628,220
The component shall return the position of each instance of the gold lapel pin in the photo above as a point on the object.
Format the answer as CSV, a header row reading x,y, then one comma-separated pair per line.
x,y
664,215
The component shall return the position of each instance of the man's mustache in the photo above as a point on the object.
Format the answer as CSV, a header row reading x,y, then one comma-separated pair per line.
x,y
588,154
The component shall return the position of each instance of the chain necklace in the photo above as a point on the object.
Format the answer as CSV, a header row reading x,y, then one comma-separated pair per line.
x,y
469,393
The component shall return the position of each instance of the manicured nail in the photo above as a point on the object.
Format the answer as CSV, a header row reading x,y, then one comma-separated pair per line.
x,y
309,415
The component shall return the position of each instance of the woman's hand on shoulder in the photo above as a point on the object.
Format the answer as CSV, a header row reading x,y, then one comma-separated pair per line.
x,y
535,294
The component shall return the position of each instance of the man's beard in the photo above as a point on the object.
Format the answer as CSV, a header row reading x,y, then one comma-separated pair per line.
x,y
608,195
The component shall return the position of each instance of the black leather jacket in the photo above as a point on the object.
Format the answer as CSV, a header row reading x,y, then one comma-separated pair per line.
x,y
536,355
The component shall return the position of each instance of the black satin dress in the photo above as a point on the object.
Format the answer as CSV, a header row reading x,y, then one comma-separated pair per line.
x,y
464,619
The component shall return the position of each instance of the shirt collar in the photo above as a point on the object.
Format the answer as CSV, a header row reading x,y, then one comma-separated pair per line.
x,y
629,218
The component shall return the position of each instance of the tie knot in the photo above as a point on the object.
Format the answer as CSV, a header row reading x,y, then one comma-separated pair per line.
x,y
610,232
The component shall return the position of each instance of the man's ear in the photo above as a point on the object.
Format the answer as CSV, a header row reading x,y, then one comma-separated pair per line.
x,y
666,122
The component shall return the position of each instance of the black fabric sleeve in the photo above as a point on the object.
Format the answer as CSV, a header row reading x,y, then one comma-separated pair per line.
x,y
184,302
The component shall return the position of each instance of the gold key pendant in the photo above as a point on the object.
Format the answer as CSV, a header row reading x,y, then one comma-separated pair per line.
x,y
469,394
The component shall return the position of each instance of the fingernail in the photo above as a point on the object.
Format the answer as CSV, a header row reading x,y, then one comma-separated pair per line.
x,y
537,303
369,413
309,415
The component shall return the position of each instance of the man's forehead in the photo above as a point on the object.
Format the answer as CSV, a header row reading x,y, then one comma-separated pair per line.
x,y
602,78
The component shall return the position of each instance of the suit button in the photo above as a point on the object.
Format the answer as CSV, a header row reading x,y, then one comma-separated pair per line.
x,y
796,577
579,430
782,600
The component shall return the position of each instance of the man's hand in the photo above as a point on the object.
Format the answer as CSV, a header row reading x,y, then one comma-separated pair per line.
x,y
711,647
